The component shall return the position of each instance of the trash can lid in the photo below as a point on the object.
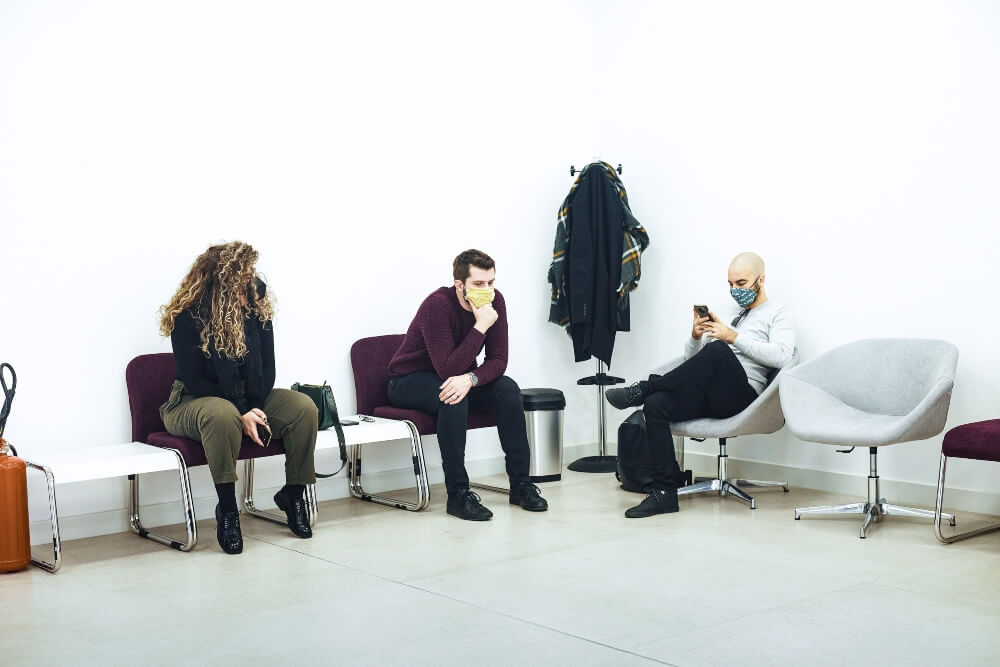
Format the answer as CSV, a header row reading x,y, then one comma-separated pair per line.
x,y
542,398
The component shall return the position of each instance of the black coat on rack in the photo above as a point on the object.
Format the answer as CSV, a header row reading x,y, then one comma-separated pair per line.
x,y
595,221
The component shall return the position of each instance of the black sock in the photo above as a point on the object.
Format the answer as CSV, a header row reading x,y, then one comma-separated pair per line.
x,y
227,496
293,491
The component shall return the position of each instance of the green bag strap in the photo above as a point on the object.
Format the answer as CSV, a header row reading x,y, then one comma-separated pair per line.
x,y
326,403
331,404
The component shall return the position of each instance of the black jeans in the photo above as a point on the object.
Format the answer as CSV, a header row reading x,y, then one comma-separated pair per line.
x,y
712,384
419,391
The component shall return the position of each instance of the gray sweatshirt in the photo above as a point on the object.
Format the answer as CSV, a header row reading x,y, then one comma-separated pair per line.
x,y
765,341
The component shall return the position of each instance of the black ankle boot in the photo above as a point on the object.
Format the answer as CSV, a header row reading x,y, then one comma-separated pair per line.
x,y
658,501
290,501
528,497
631,396
227,530
465,505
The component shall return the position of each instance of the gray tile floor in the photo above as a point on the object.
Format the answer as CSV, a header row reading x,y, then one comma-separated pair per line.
x,y
715,584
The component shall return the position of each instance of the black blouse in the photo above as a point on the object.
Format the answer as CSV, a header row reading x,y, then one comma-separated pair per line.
x,y
221,376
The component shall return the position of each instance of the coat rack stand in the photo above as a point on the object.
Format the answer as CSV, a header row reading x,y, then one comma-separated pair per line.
x,y
603,462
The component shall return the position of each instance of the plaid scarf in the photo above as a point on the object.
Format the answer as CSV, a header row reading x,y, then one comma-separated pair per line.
x,y
634,242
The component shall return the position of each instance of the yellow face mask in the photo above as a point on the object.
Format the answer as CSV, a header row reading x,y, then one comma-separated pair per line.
x,y
479,296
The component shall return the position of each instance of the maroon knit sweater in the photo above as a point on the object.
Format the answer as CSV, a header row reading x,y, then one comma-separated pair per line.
x,y
442,339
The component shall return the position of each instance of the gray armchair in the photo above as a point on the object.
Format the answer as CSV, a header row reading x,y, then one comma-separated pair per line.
x,y
871,393
761,417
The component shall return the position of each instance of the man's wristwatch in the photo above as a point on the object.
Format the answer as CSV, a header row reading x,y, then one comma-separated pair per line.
x,y
473,379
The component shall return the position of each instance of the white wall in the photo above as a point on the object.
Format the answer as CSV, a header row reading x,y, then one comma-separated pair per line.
x,y
360,146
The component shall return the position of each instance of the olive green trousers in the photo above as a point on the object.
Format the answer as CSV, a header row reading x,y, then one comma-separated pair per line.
x,y
218,426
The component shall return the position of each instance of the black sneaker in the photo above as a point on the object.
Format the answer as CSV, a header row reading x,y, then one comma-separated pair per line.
x,y
295,514
528,497
465,505
227,531
656,502
631,396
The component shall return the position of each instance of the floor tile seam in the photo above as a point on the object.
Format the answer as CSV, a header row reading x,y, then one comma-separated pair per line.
x,y
749,614
937,597
466,603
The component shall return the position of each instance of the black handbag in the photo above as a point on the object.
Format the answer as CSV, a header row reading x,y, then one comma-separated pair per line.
x,y
635,467
322,396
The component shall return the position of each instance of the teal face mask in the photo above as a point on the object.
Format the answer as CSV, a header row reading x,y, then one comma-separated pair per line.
x,y
743,296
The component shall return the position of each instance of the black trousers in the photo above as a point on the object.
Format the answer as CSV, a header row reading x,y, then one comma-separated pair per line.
x,y
419,391
712,384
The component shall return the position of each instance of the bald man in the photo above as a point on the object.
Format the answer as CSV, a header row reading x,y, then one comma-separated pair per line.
x,y
726,367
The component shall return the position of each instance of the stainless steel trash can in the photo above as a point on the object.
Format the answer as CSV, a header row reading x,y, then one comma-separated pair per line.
x,y
543,415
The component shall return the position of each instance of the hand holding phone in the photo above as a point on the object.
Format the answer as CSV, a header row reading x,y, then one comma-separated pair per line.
x,y
698,328
264,433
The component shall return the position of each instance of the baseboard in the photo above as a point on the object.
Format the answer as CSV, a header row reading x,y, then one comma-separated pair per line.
x,y
78,526
853,486
162,514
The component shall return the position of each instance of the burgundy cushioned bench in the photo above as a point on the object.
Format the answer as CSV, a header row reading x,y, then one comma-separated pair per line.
x,y
149,378
370,359
979,441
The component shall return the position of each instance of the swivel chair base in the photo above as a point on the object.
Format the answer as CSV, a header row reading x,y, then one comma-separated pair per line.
x,y
876,507
726,486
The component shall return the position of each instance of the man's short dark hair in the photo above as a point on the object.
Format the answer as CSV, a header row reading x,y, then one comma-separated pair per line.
x,y
467,258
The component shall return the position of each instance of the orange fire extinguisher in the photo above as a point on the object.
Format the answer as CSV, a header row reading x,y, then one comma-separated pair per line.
x,y
15,541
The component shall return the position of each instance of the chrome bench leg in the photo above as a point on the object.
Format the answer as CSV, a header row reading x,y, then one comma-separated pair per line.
x,y
312,508
419,473
135,523
56,563
487,487
938,514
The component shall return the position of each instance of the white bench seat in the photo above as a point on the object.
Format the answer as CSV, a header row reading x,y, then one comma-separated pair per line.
x,y
364,433
105,461
135,458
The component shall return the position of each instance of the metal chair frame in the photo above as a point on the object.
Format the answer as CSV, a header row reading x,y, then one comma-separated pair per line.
x,y
875,507
725,486
939,514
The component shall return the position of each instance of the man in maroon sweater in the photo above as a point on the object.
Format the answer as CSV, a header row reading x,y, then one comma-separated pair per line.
x,y
435,371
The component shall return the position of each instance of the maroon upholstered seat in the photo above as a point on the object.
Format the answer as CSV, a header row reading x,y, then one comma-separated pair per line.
x,y
370,360
148,378
978,440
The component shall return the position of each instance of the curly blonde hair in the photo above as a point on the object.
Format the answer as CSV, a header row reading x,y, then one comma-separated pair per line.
x,y
212,289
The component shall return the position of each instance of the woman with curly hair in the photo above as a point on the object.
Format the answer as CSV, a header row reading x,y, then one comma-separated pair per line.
x,y
220,326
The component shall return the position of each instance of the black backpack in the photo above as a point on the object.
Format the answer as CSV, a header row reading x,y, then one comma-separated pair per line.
x,y
635,469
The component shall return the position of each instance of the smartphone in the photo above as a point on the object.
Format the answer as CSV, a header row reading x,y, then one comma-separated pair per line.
x,y
348,422
702,311
264,433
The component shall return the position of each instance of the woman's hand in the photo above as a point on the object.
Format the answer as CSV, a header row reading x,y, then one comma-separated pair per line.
x,y
455,388
250,420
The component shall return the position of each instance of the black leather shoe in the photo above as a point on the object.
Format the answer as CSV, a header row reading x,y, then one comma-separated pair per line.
x,y
295,512
227,531
656,502
631,396
465,505
528,497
